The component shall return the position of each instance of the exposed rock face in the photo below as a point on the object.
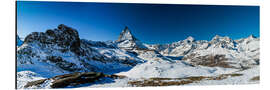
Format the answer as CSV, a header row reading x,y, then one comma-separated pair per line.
x,y
208,60
222,42
63,64
190,39
242,53
63,36
126,35
60,51
179,48
127,41
72,79
107,44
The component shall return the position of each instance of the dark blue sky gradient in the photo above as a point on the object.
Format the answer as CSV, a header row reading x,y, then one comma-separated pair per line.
x,y
150,23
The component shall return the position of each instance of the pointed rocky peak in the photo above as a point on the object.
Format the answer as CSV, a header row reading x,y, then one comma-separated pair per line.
x,y
222,42
62,36
220,38
63,27
127,41
247,39
251,36
190,39
126,35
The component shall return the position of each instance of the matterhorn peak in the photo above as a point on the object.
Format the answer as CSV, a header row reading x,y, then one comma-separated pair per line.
x,y
126,35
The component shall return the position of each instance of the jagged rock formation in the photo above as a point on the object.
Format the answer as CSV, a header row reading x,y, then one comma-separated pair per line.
x,y
127,41
61,51
72,79
237,52
63,36
126,35
222,42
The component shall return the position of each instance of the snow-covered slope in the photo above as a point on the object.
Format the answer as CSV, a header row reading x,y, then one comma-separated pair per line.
x,y
250,46
249,76
23,77
167,69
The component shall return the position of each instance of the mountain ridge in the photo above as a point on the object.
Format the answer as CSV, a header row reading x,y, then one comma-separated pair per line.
x,y
61,51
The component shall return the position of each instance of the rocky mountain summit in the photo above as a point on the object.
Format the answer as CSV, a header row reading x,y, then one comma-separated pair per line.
x,y
60,51
126,35
127,40
64,37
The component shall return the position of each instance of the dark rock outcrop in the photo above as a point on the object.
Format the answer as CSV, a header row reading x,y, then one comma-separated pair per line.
x,y
126,35
62,48
63,64
208,60
223,42
63,36
127,41
73,79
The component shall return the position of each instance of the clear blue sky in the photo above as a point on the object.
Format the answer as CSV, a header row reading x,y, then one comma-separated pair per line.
x,y
150,23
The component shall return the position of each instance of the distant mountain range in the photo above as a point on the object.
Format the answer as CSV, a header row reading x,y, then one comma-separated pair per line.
x,y
61,51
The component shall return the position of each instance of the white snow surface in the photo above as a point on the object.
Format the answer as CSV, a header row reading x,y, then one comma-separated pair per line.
x,y
245,79
23,77
167,69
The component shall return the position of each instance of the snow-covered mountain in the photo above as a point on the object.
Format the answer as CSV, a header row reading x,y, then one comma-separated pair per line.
x,y
128,41
61,51
126,35
227,53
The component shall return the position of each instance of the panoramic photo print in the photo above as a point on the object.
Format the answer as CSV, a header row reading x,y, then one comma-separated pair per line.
x,y
89,45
